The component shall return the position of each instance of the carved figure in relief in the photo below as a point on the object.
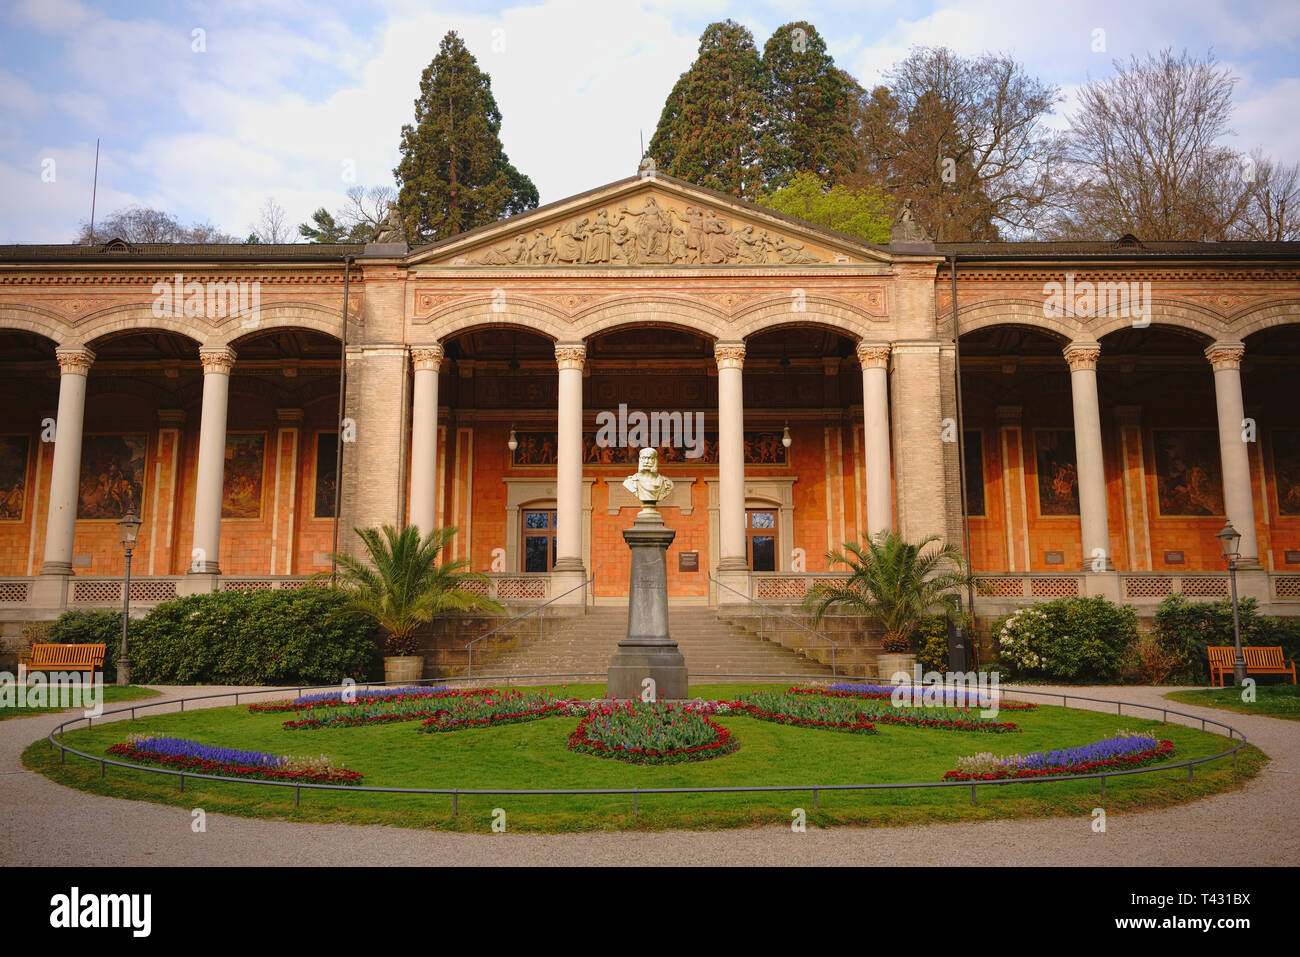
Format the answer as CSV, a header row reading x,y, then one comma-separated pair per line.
x,y
570,244
510,255
653,227
542,251
791,253
749,246
716,246
598,239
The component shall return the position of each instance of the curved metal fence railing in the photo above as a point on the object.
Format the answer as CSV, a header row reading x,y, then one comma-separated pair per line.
x,y
455,794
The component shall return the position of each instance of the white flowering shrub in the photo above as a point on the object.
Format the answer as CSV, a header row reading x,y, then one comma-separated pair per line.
x,y
1021,638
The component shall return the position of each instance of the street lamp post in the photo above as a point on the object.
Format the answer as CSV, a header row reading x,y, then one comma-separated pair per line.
x,y
130,526
1229,539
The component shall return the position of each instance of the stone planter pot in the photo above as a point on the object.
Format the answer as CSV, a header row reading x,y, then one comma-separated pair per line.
x,y
888,665
404,668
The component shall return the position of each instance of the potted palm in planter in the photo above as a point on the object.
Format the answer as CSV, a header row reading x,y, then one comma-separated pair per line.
x,y
401,585
898,583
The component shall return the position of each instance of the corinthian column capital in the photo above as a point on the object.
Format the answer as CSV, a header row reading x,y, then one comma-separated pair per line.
x,y
729,355
427,357
220,360
873,355
1082,355
74,361
1226,355
571,355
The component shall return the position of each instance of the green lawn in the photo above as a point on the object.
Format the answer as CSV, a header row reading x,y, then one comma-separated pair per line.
x,y
112,693
1273,701
534,755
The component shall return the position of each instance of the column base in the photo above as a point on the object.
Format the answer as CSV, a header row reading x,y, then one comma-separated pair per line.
x,y
632,664
567,580
1101,584
50,590
733,578
197,583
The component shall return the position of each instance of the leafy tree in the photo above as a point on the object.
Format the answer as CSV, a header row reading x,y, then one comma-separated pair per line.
x,y
866,212
811,108
895,581
322,228
401,584
711,128
454,174
356,222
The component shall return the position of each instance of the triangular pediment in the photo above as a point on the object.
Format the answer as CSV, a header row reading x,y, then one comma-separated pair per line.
x,y
649,222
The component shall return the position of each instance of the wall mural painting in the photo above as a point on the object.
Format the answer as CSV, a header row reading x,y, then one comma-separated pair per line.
x,y
241,496
974,468
1058,473
1189,476
1286,470
539,448
112,475
13,476
327,451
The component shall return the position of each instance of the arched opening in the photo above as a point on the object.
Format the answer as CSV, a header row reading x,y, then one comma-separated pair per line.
x,y
1272,356
29,393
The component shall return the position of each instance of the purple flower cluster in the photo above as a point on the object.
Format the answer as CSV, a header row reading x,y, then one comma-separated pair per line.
x,y
863,689
369,693
1103,750
182,747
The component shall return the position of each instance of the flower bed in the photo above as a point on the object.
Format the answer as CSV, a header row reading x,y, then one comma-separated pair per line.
x,y
334,699
886,692
1124,750
184,755
854,713
385,711
497,708
644,732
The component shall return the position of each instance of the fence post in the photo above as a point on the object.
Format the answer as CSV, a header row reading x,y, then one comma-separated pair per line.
x,y
635,802
455,803
972,795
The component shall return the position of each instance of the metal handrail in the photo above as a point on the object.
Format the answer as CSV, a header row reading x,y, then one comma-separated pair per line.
x,y
539,610
454,793
794,621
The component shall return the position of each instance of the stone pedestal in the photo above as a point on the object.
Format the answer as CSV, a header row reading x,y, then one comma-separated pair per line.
x,y
648,651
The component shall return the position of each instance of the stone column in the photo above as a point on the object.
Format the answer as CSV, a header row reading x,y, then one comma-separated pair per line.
x,y
65,478
569,571
1094,526
209,475
917,440
424,438
875,412
1225,358
733,568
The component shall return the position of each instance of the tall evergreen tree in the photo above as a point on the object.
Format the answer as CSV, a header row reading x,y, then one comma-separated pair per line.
x,y
812,103
454,175
711,127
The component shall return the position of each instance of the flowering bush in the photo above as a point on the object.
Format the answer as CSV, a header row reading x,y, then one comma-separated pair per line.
x,y
851,712
495,708
185,755
651,733
331,699
386,710
1123,750
1019,639
1069,639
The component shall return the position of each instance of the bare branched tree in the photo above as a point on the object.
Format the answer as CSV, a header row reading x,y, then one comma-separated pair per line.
x,y
965,140
142,224
1145,153
1272,208
366,210
272,224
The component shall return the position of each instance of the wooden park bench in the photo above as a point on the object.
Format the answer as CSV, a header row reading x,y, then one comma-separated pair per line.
x,y
65,658
1260,660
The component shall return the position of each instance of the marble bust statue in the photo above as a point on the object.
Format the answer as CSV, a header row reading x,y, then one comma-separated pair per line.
x,y
647,485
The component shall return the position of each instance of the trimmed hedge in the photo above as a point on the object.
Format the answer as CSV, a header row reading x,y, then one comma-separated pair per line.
x,y
1184,628
276,637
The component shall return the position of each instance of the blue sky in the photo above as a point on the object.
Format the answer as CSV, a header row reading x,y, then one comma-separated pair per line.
x,y
287,98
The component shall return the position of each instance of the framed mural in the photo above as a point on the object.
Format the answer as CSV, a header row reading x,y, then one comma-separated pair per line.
x,y
13,476
241,493
112,476
1286,470
973,441
1058,472
327,457
1189,476
540,448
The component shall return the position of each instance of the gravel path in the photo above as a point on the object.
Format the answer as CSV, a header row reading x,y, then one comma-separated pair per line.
x,y
44,823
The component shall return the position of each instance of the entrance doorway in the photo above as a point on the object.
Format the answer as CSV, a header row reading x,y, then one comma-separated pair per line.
x,y
760,539
539,548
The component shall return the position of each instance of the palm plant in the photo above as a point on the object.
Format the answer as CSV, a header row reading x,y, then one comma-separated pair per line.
x,y
894,581
401,584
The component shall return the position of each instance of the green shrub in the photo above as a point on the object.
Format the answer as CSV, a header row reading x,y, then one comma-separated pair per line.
x,y
94,628
1184,628
276,637
1068,639
931,641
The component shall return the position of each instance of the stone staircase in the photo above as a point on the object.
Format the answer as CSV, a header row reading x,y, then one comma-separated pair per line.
x,y
585,644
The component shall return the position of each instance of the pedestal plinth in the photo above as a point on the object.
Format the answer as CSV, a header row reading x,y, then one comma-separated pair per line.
x,y
648,651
